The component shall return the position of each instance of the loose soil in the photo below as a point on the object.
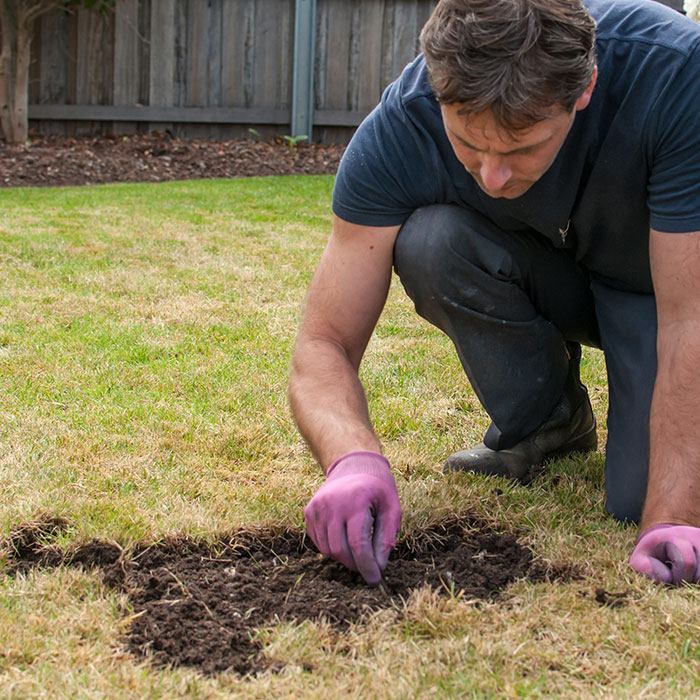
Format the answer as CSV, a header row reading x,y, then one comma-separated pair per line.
x,y
199,605
87,160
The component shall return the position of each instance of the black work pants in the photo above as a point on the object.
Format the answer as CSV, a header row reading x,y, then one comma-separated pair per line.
x,y
509,301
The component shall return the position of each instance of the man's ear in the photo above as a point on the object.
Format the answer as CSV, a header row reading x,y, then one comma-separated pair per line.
x,y
585,98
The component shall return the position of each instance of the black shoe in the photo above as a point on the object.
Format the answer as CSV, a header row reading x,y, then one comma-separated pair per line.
x,y
571,427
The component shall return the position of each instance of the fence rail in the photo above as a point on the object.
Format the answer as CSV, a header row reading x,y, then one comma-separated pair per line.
x,y
216,68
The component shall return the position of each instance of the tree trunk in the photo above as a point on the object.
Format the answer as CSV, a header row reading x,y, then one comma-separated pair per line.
x,y
7,34
20,113
17,19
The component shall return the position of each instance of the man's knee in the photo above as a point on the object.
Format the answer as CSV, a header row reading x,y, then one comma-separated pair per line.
x,y
444,253
423,247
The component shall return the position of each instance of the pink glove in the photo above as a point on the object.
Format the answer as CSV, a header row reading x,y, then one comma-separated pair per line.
x,y
355,515
668,554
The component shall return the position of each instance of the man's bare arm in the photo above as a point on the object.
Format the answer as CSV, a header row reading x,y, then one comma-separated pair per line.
x,y
673,493
344,302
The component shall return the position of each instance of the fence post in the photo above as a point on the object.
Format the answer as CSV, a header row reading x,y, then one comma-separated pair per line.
x,y
303,84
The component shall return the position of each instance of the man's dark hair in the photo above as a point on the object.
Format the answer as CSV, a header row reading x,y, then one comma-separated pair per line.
x,y
516,58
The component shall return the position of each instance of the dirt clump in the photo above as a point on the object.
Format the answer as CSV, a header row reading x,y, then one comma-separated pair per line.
x,y
199,605
611,600
29,544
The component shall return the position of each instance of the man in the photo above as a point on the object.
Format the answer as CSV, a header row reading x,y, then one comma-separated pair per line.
x,y
534,179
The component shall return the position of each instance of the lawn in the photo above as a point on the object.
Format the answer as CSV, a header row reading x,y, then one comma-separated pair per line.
x,y
145,336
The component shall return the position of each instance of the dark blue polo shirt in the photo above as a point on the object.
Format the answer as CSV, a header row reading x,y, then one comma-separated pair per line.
x,y
630,162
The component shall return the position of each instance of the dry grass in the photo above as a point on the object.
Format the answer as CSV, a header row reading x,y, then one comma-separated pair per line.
x,y
145,333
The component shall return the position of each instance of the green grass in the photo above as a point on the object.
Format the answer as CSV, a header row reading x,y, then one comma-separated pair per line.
x,y
145,335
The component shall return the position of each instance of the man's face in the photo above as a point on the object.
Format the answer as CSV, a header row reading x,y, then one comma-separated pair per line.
x,y
503,163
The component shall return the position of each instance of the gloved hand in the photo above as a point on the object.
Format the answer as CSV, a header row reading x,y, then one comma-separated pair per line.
x,y
355,515
668,554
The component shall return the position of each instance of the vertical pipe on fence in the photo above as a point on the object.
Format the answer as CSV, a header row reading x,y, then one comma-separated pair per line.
x,y
303,84
162,58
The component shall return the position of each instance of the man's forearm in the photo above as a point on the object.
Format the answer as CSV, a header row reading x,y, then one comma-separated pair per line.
x,y
673,492
328,401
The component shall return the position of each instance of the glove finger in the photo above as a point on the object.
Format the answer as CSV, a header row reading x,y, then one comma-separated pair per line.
x,y
641,562
320,538
647,564
319,527
381,551
695,576
659,571
338,545
310,518
386,525
379,547
360,542
681,556
694,557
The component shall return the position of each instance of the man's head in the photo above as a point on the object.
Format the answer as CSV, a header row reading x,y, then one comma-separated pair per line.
x,y
510,76
516,59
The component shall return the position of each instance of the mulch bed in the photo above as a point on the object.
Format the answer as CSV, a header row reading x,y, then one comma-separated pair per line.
x,y
199,605
87,160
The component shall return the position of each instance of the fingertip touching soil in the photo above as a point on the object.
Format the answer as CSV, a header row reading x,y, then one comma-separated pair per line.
x,y
199,605
86,160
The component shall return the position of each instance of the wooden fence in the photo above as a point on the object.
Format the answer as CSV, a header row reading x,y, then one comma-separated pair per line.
x,y
217,68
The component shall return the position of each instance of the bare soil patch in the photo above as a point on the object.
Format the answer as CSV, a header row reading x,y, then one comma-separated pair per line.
x,y
87,160
199,605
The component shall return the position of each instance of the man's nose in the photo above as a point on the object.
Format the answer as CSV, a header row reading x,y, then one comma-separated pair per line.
x,y
494,172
